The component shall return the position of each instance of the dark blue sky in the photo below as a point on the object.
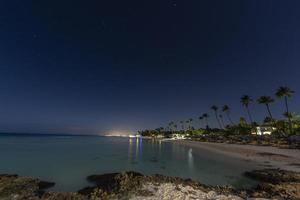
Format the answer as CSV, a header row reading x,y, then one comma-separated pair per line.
x,y
76,66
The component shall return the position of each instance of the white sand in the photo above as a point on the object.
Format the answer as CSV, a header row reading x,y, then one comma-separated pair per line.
x,y
266,156
170,191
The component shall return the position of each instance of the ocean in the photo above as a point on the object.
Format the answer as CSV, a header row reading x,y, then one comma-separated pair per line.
x,y
68,160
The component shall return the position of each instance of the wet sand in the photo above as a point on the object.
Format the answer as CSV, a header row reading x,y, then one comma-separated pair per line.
x,y
265,156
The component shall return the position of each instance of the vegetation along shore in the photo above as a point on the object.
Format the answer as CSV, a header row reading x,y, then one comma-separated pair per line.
x,y
282,132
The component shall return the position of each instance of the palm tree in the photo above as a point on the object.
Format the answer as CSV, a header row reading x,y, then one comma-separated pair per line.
x,y
267,100
246,101
215,109
206,116
285,92
226,110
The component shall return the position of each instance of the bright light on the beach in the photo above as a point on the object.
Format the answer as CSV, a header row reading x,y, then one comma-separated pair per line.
x,y
118,133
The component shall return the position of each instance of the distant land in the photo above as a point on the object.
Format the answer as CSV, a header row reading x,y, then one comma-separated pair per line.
x,y
44,134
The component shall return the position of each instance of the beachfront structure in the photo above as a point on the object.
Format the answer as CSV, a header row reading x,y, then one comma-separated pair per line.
x,y
264,130
178,137
160,136
135,136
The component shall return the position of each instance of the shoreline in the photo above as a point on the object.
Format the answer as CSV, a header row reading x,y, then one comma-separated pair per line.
x,y
265,156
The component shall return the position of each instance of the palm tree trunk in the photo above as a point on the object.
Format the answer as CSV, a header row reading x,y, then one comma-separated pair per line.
x,y
222,121
269,111
287,111
249,115
229,119
250,118
206,120
286,104
201,124
216,114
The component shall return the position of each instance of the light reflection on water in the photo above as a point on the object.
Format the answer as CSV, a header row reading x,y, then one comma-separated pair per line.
x,y
190,159
67,161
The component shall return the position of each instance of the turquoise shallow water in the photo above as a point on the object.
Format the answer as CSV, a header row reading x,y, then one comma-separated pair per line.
x,y
68,160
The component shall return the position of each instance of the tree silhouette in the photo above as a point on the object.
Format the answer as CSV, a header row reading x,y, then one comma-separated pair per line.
x,y
206,116
246,101
215,109
226,110
285,92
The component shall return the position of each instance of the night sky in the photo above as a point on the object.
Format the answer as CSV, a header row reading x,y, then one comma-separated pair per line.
x,y
74,66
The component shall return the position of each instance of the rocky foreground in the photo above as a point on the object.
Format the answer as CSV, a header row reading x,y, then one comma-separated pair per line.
x,y
274,184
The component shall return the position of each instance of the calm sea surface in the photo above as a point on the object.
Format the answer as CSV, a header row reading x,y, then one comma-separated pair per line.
x,y
68,160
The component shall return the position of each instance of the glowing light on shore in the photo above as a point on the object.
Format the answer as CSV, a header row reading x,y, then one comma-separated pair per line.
x,y
119,133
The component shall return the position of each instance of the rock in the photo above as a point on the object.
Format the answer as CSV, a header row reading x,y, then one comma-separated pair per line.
x,y
112,183
43,185
274,175
63,196
14,187
86,191
211,195
276,183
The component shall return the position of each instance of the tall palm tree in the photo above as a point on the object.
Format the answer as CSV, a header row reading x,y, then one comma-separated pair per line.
x,y
226,110
267,100
285,92
246,101
206,116
215,109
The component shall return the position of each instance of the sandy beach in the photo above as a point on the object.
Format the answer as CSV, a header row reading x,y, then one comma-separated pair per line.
x,y
264,156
